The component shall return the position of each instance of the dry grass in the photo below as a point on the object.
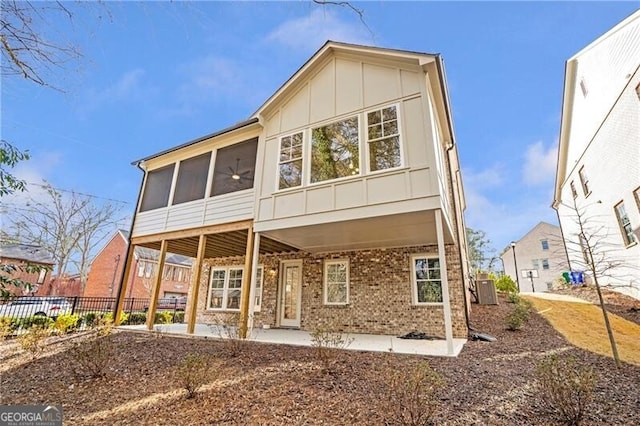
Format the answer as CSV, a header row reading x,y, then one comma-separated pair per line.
x,y
582,325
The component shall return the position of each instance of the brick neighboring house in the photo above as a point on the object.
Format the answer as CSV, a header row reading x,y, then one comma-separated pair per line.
x,y
338,203
21,255
541,249
106,270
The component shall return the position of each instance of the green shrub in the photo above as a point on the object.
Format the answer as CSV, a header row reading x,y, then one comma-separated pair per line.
x,y
136,318
124,317
164,317
513,298
566,388
8,327
67,323
36,321
518,316
505,284
90,319
178,317
412,396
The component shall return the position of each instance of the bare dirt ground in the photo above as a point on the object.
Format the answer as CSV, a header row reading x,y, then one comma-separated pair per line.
x,y
488,384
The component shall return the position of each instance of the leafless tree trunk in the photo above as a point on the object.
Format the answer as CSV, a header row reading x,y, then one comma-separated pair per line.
x,y
69,226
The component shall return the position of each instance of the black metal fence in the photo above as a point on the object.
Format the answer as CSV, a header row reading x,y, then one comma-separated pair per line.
x,y
91,309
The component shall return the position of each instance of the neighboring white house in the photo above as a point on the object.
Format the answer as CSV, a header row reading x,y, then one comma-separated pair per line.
x,y
338,204
540,258
598,172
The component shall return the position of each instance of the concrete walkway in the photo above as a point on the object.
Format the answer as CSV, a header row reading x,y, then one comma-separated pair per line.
x,y
360,342
554,296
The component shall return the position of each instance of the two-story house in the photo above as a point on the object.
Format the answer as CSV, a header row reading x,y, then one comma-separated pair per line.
x,y
338,204
598,173
537,260
26,263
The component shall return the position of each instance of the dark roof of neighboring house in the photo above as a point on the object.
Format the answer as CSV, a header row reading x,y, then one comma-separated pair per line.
x,y
26,252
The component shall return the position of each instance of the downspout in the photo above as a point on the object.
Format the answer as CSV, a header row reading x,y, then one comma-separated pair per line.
x,y
133,220
440,66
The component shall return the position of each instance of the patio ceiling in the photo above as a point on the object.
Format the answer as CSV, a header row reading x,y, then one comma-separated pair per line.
x,y
232,243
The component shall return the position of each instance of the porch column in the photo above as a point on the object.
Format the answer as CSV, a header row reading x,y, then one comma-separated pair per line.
x,y
246,285
195,288
254,276
153,303
122,293
446,303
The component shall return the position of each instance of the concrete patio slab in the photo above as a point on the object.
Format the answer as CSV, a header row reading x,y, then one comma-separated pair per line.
x,y
360,342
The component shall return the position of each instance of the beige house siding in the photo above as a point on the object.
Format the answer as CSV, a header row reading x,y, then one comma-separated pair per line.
x,y
380,293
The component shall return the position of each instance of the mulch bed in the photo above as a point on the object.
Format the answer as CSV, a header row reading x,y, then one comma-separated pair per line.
x,y
488,384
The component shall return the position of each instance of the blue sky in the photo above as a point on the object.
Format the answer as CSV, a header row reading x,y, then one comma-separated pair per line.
x,y
156,74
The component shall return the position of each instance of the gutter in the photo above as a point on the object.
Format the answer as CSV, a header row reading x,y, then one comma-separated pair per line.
x,y
129,246
452,144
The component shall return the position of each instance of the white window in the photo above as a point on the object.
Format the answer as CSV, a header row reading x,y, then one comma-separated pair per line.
x,y
225,288
535,263
383,139
625,224
257,301
141,269
148,269
336,282
574,193
41,276
427,284
545,264
584,180
290,162
545,244
335,150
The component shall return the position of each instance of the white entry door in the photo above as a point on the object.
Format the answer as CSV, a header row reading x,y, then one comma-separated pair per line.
x,y
290,292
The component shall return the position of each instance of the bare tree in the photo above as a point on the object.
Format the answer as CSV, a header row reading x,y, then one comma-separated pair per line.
x,y
69,226
589,249
481,252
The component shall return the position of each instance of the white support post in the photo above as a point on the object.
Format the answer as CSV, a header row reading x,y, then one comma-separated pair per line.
x,y
254,272
448,327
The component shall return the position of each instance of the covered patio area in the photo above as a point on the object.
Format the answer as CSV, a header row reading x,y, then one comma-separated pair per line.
x,y
360,342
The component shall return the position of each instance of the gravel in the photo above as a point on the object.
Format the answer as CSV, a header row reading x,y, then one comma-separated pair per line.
x,y
490,383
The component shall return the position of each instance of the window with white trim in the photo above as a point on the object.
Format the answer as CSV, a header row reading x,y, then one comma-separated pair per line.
x,y
426,279
290,162
574,193
545,244
383,139
625,224
335,150
141,269
584,180
336,282
545,264
225,288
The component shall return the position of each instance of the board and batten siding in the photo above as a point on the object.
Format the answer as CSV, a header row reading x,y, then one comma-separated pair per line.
x,y
345,86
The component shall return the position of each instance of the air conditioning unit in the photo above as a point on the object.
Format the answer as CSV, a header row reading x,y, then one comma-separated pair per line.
x,y
487,294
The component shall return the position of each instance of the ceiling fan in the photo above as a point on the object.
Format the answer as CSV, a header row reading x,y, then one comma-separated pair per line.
x,y
236,174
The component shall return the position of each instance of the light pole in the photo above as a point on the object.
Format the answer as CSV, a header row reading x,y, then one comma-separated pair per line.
x,y
515,264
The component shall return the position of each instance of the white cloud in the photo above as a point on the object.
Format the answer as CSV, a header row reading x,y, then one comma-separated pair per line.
x,y
311,31
487,178
539,164
128,87
34,172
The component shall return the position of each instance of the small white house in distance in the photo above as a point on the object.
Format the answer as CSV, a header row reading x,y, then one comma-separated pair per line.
x,y
598,174
337,204
539,257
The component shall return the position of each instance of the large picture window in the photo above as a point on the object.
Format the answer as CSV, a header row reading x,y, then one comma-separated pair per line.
x,y
157,188
235,167
192,179
427,283
336,282
383,137
335,150
290,163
